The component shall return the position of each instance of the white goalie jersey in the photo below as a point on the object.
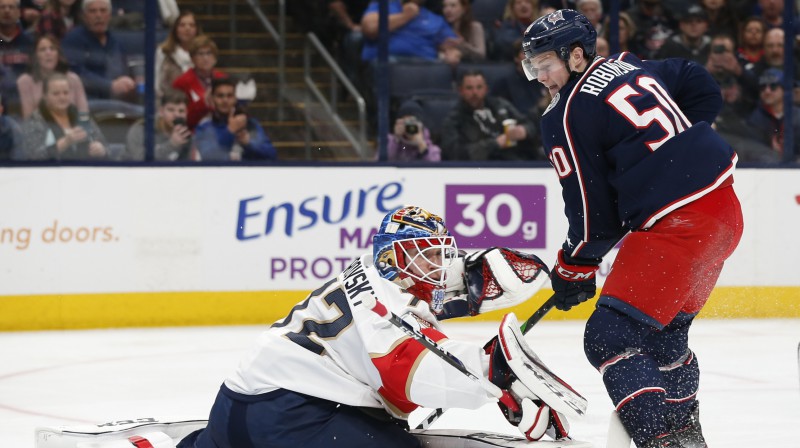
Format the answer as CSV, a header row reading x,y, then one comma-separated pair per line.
x,y
329,347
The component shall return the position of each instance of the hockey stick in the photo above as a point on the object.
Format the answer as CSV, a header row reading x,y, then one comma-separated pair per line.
x,y
525,327
380,309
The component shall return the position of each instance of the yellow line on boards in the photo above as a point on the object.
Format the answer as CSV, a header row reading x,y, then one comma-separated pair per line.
x,y
158,309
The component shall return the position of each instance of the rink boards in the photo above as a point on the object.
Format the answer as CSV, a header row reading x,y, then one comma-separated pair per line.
x,y
109,247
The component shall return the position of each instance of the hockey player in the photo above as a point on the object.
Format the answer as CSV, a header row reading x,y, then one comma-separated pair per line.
x,y
633,148
333,373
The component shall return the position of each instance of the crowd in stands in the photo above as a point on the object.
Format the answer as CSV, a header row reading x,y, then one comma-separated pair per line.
x,y
66,65
740,42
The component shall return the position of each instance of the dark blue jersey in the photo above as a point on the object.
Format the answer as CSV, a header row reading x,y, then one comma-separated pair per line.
x,y
631,141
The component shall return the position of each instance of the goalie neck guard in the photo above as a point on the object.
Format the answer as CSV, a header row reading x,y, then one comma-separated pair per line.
x,y
414,248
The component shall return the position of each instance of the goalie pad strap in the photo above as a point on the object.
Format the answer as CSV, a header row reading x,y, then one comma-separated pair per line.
x,y
140,442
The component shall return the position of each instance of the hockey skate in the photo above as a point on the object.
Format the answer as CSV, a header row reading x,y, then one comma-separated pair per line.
x,y
690,436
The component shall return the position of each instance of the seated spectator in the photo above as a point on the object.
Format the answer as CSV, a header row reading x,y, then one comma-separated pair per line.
x,y
768,120
691,42
721,17
349,39
172,56
173,139
731,124
525,95
723,62
15,47
228,133
773,58
95,54
30,12
197,80
46,60
410,139
654,25
12,145
592,10
414,33
471,38
751,41
59,17
483,127
627,31
57,131
516,18
602,47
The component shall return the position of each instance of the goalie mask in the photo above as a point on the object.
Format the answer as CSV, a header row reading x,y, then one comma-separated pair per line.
x,y
414,249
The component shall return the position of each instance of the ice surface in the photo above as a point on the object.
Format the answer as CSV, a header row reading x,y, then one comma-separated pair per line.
x,y
749,393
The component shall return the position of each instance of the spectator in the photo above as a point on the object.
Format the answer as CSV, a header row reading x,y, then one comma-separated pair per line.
x,y
471,38
30,12
721,17
57,131
602,47
173,139
525,95
773,51
654,25
348,36
59,17
768,120
773,58
627,31
772,12
592,10
723,63
411,140
414,33
731,124
15,44
95,54
751,41
516,18
197,80
483,127
691,42
172,57
46,60
11,140
228,133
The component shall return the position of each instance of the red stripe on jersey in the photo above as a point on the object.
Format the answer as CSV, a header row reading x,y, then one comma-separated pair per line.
x,y
140,442
397,368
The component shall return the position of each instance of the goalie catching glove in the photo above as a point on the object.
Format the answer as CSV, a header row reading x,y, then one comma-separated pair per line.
x,y
520,406
492,279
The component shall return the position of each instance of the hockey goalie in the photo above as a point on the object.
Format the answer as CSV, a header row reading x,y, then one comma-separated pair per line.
x,y
347,365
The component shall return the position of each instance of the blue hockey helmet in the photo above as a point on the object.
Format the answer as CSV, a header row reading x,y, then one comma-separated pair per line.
x,y
557,31
414,248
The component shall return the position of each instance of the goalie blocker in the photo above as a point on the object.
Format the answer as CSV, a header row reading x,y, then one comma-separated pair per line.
x,y
155,433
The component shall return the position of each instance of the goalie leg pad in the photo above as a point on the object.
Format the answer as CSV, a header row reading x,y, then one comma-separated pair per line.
x,y
534,374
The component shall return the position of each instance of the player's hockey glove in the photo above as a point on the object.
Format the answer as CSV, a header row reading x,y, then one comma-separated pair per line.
x,y
492,279
521,407
573,283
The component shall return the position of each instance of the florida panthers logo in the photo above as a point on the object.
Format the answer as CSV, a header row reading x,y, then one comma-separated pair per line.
x,y
555,17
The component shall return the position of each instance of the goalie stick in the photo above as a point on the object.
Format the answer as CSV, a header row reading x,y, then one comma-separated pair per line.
x,y
525,327
380,309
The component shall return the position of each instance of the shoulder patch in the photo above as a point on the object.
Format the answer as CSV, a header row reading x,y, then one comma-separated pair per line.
x,y
552,103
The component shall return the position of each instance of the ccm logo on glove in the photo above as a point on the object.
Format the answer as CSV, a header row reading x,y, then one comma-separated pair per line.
x,y
571,272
